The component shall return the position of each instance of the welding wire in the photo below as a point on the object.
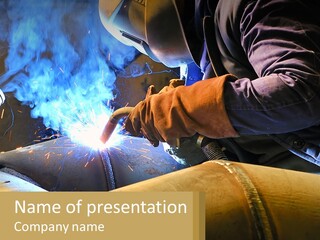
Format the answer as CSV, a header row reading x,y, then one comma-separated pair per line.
x,y
113,121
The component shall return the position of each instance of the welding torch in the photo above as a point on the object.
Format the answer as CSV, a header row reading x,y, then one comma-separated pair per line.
x,y
113,121
191,151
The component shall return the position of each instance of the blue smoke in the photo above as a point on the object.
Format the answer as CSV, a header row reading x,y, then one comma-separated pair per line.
x,y
58,60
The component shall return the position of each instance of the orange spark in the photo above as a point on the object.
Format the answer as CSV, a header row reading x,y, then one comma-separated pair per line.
x,y
149,158
47,155
143,150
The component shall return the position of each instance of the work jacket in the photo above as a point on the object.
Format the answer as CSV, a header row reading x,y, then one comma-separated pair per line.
x,y
273,47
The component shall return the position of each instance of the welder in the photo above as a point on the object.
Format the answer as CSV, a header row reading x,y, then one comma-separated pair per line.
x,y
258,64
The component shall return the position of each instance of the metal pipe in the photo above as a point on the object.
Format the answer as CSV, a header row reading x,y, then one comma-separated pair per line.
x,y
62,165
245,201
113,121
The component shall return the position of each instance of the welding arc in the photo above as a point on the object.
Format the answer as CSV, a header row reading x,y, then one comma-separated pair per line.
x,y
113,121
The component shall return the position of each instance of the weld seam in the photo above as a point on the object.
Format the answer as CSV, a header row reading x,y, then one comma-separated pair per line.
x,y
254,201
108,170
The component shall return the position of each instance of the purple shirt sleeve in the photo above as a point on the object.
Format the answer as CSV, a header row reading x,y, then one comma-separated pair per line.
x,y
282,43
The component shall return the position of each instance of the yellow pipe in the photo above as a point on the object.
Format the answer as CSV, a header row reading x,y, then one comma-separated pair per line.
x,y
246,201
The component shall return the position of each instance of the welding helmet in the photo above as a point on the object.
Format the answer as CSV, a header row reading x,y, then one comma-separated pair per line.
x,y
151,26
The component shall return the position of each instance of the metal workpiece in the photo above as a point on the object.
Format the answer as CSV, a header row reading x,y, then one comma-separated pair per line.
x,y
62,165
246,201
12,183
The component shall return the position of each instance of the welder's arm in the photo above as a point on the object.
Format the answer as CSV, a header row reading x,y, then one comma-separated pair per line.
x,y
283,46
182,112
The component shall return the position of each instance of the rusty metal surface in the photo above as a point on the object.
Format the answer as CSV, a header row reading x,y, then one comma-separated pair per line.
x,y
136,160
62,165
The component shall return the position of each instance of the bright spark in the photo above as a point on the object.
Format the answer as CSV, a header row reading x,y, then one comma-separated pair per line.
x,y
88,134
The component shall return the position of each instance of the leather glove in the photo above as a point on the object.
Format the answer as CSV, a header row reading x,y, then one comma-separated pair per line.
x,y
173,84
182,112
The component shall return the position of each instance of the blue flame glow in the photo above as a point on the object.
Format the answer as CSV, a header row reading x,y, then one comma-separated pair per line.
x,y
58,62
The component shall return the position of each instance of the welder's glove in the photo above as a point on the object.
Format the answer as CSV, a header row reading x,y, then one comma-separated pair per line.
x,y
182,112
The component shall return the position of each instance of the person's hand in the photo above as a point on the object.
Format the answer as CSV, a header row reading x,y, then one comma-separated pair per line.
x,y
182,111
173,83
